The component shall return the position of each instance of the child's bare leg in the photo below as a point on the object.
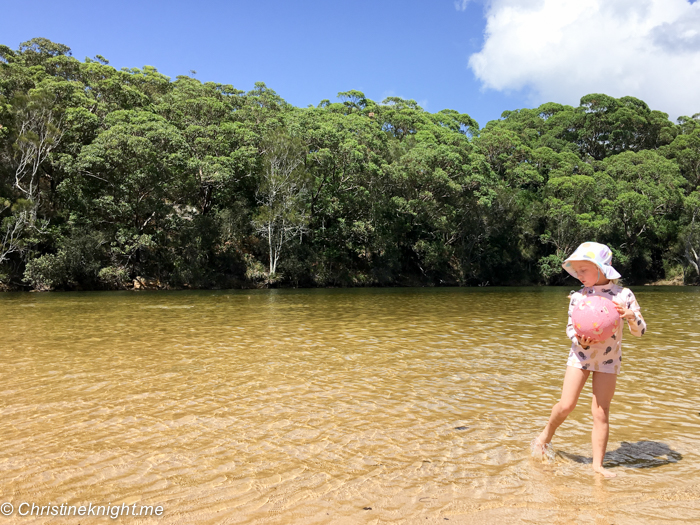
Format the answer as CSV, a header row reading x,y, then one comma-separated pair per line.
x,y
603,390
574,379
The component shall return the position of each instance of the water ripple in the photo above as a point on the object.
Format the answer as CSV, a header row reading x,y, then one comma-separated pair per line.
x,y
310,406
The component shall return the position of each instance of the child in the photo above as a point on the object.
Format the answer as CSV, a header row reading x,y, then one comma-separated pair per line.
x,y
590,264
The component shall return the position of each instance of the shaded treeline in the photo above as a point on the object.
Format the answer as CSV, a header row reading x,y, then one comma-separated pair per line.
x,y
109,176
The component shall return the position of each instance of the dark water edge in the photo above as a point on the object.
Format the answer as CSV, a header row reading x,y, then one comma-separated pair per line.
x,y
17,288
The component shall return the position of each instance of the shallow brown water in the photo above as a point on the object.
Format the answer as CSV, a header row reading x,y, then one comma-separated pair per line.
x,y
310,406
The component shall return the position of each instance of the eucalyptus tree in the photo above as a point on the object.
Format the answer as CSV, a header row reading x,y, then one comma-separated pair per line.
x,y
130,183
690,237
281,193
643,208
607,126
570,211
38,130
346,154
685,150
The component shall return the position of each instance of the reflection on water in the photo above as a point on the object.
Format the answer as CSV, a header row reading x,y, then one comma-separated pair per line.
x,y
312,406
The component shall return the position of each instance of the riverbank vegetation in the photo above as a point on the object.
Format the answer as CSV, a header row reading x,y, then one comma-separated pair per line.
x,y
111,179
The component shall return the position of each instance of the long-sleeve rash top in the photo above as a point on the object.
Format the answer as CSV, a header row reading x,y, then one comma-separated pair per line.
x,y
604,356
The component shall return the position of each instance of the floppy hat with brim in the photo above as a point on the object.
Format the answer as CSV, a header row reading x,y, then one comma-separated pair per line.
x,y
598,254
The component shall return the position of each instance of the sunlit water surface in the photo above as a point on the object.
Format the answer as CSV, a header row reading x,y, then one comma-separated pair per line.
x,y
339,406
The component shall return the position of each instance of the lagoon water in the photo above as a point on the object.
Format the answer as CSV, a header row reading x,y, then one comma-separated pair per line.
x,y
339,406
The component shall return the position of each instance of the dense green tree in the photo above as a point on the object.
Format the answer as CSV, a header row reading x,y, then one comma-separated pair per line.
x,y
109,176
685,150
690,237
643,208
132,184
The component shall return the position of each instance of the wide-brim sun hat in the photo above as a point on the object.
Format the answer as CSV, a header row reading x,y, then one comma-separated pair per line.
x,y
598,254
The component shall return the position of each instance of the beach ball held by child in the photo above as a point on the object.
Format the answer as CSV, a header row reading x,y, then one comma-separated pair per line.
x,y
596,318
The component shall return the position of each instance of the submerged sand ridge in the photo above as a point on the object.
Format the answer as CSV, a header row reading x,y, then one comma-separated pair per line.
x,y
339,406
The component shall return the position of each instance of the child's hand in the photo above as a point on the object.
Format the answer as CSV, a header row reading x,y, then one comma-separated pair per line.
x,y
585,341
625,313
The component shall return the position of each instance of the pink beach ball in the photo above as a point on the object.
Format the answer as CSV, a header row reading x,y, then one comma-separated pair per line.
x,y
595,317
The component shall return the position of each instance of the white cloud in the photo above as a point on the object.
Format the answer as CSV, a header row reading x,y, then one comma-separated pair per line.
x,y
560,50
461,5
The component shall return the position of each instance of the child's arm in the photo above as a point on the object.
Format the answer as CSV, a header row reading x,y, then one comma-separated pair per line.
x,y
629,310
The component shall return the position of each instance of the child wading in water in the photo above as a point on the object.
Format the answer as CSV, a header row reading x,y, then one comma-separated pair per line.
x,y
591,264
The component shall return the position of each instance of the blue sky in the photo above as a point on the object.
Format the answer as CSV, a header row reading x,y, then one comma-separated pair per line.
x,y
307,51
473,56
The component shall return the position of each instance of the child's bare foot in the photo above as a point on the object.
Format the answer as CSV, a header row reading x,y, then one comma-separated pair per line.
x,y
605,472
538,446
542,440
541,450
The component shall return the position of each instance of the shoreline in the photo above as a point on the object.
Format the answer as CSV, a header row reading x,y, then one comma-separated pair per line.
x,y
253,286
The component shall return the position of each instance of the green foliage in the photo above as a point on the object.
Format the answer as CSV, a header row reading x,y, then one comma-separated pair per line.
x,y
690,237
112,175
113,277
77,263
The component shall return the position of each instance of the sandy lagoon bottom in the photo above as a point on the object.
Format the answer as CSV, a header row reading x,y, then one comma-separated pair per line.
x,y
338,406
